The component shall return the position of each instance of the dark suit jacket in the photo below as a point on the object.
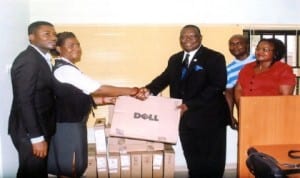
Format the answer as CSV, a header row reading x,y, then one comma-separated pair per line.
x,y
33,100
201,90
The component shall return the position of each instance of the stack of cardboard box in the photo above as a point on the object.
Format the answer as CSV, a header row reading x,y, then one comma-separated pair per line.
x,y
97,152
121,157
147,153
139,158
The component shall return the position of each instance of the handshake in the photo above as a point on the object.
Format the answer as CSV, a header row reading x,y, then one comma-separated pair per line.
x,y
141,93
107,94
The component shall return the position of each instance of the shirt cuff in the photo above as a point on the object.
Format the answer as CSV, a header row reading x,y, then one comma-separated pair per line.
x,y
37,139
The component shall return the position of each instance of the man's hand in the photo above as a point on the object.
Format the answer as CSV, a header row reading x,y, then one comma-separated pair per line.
x,y
234,124
183,108
40,149
143,93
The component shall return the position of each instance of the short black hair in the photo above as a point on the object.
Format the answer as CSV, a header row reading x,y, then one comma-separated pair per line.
x,y
35,25
240,36
193,26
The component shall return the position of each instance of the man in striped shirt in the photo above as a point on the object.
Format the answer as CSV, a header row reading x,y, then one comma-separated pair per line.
x,y
239,48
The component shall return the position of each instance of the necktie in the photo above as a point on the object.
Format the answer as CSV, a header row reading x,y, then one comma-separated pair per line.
x,y
185,66
186,60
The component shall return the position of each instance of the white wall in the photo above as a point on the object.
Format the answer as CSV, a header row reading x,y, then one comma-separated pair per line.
x,y
14,18
167,11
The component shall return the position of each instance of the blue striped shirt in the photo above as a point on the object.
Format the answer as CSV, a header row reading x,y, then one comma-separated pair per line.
x,y
234,68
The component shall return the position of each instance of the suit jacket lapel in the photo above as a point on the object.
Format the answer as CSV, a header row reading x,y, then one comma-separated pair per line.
x,y
41,59
194,61
179,66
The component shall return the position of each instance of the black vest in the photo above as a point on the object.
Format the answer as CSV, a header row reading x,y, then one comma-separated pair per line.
x,y
72,105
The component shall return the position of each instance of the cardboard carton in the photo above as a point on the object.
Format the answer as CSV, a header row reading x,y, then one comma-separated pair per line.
x,y
136,164
102,165
157,164
114,165
125,165
147,164
100,138
155,119
169,163
124,145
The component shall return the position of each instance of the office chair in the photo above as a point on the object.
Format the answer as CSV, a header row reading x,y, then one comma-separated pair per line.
x,y
262,165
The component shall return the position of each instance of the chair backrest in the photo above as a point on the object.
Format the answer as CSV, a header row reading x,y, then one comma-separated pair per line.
x,y
262,165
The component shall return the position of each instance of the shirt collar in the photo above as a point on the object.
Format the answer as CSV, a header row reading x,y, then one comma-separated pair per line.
x,y
66,60
191,53
47,56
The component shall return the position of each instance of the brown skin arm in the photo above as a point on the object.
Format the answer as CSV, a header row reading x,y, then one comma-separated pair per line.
x,y
286,89
99,100
229,93
112,91
229,97
237,95
40,149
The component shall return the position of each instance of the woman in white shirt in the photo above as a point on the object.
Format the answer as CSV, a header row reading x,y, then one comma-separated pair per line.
x,y
76,93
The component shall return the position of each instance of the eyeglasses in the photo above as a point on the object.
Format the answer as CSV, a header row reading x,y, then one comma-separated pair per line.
x,y
265,50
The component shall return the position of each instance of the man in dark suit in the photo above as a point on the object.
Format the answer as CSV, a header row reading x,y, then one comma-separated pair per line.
x,y
31,121
199,80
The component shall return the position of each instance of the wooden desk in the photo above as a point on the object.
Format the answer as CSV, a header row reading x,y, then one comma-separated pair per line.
x,y
280,153
267,120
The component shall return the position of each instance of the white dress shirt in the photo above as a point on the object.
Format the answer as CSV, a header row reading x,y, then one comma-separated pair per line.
x,y
73,76
191,53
